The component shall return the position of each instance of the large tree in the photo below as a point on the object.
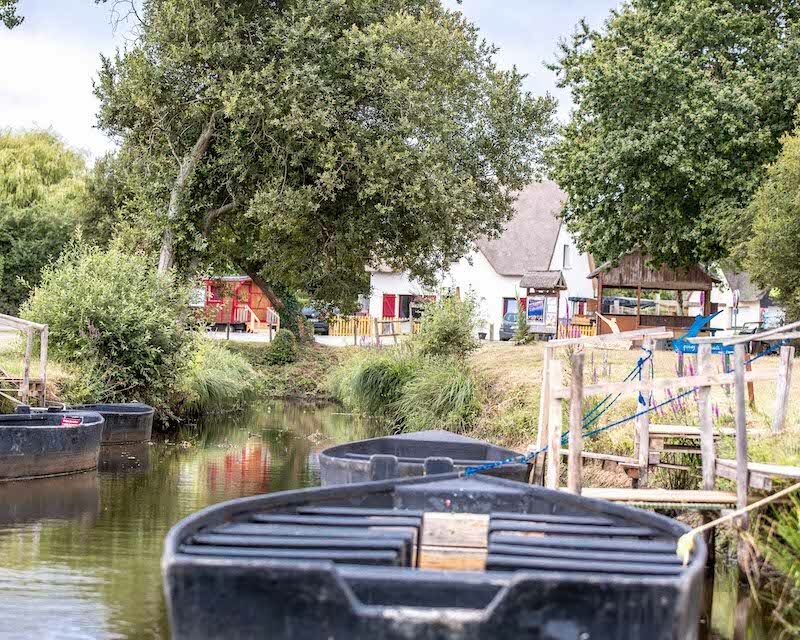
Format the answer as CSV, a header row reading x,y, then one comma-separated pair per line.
x,y
42,190
303,140
773,253
8,14
679,105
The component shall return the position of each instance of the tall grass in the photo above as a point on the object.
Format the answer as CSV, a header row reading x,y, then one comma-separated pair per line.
x,y
214,379
441,395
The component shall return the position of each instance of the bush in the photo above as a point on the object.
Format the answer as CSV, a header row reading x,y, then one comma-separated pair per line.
x,y
214,378
448,328
440,395
282,349
115,318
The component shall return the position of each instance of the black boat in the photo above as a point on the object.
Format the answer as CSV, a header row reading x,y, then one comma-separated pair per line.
x,y
440,557
126,422
405,455
48,443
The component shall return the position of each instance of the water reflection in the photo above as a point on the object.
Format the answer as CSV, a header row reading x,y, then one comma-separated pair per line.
x,y
79,555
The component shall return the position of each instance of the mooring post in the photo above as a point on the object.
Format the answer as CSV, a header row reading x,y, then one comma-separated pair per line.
x,y
574,461
554,428
707,453
537,471
782,390
25,387
643,422
43,336
741,448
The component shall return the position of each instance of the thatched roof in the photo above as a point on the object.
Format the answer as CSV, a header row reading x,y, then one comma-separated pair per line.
x,y
543,280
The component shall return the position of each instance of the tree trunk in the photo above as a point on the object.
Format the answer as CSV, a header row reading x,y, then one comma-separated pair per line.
x,y
185,170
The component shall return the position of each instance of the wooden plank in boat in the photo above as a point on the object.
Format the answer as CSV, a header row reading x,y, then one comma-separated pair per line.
x,y
452,558
454,541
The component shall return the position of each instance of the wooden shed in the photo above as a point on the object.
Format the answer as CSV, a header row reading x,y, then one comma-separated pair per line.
x,y
633,294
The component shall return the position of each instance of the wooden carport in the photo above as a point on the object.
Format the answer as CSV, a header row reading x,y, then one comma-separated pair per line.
x,y
633,272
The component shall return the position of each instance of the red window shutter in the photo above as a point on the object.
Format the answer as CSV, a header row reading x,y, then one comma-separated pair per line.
x,y
388,305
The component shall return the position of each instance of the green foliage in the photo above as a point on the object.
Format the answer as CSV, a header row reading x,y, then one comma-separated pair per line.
x,y
778,540
8,14
410,392
282,349
113,316
42,189
680,104
441,395
522,333
340,133
448,328
213,379
773,253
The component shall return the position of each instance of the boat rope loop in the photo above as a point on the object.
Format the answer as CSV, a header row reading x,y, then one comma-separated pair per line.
x,y
686,541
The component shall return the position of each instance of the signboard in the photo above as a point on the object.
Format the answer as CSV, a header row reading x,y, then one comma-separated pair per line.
x,y
542,313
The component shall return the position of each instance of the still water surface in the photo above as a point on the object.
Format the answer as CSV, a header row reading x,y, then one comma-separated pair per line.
x,y
79,555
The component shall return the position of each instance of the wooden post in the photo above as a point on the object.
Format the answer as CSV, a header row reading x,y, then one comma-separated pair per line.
x,y
554,429
707,453
491,332
751,390
25,387
574,462
537,472
741,448
355,331
43,367
783,389
643,423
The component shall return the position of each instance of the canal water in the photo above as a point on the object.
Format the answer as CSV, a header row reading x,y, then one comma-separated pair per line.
x,y
79,555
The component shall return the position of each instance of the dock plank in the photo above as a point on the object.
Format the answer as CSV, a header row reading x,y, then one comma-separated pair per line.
x,y
663,496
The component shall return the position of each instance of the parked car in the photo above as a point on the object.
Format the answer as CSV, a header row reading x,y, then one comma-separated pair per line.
x,y
320,323
508,326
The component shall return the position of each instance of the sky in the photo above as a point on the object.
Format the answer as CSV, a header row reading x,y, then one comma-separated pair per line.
x,y
48,63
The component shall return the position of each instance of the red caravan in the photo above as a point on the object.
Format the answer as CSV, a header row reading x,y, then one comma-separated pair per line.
x,y
236,301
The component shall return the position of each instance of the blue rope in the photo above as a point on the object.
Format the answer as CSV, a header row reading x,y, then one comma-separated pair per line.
x,y
524,459
589,419
772,349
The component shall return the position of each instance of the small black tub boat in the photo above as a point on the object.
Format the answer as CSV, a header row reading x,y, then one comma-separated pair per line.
x,y
48,443
441,557
404,455
126,422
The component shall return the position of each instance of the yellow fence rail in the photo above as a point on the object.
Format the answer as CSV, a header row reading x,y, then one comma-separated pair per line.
x,y
577,331
365,326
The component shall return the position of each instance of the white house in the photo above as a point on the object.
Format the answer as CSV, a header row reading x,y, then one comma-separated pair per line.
x,y
534,240
741,301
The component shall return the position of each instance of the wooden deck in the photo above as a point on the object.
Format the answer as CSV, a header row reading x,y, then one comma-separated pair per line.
x,y
664,498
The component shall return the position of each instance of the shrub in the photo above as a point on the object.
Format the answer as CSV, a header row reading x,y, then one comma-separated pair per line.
x,y
441,395
115,318
448,328
282,349
214,378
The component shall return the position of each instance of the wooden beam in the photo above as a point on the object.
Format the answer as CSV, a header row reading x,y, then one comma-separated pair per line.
x,y
19,323
656,333
656,496
741,429
43,340
633,387
708,455
783,390
643,423
777,332
554,429
574,464
25,387
537,471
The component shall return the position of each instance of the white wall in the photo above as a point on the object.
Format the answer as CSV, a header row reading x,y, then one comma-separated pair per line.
x,y
576,277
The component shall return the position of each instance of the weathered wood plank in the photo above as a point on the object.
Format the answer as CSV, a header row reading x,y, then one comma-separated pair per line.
x,y
452,558
537,470
660,495
574,466
554,429
776,470
658,384
643,421
455,529
656,333
25,387
708,455
741,428
43,343
782,391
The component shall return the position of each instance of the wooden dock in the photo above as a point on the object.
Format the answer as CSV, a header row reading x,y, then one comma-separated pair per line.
x,y
664,498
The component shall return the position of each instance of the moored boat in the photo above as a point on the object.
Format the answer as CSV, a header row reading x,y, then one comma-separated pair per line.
x,y
125,422
441,557
405,455
49,443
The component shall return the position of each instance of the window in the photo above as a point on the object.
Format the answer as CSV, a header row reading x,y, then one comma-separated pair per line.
x,y
566,262
405,306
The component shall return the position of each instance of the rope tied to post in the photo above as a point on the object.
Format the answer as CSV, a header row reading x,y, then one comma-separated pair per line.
x,y
686,541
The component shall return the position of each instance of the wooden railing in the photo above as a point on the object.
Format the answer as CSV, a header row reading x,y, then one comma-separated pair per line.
x,y
254,323
24,383
347,325
576,330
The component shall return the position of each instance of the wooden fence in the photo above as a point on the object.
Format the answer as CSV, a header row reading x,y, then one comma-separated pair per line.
x,y
364,326
24,386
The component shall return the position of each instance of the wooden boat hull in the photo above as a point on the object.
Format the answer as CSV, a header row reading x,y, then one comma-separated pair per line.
x,y
406,455
124,422
36,445
354,561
